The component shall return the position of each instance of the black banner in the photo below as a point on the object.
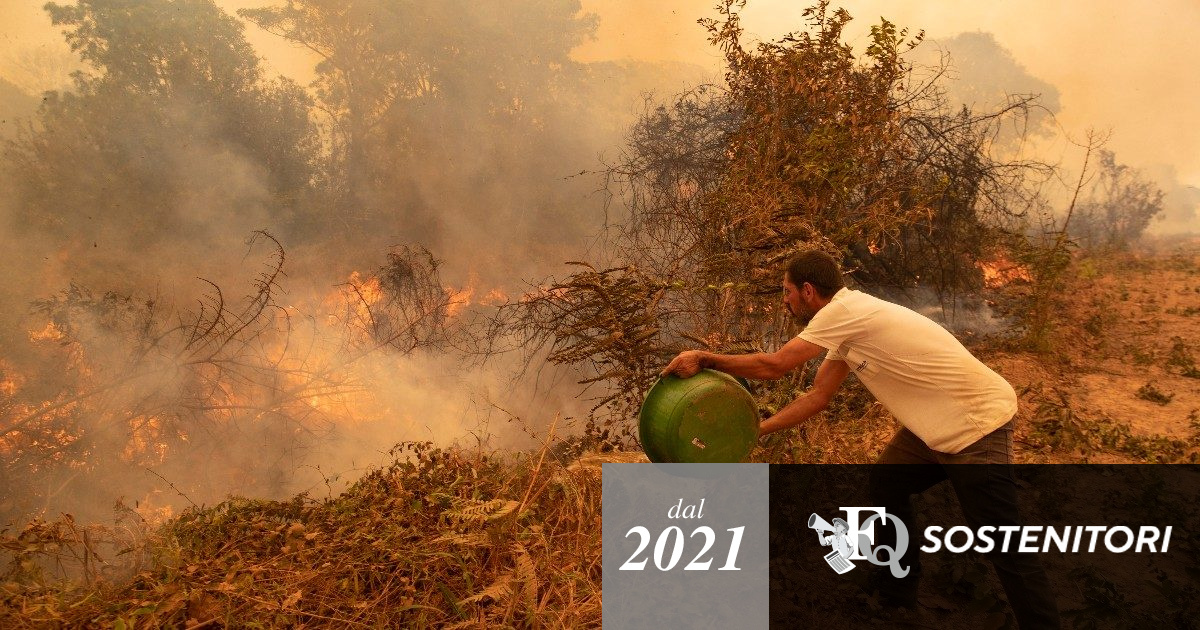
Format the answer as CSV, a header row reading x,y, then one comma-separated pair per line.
x,y
1076,546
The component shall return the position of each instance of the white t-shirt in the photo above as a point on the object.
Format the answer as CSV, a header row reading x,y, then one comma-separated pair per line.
x,y
916,368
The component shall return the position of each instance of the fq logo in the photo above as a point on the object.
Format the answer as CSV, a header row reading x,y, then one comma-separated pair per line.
x,y
854,541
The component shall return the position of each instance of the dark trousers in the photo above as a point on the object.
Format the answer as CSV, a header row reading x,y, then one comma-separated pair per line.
x,y
982,477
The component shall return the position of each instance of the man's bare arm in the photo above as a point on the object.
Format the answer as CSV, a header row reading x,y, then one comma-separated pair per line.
x,y
829,378
762,365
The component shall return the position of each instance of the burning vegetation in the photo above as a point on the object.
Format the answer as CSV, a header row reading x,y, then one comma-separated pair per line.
x,y
148,387
445,137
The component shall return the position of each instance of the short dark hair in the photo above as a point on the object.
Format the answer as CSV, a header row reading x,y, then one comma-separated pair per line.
x,y
818,269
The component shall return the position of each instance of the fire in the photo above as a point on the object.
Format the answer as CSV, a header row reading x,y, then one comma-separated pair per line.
x,y
153,510
495,296
353,300
10,381
50,332
555,293
361,294
369,289
1002,271
308,376
146,441
459,299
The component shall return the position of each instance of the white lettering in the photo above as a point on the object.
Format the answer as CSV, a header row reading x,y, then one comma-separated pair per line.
x,y
661,544
935,544
1147,536
1029,539
853,520
1043,538
733,548
630,565
950,546
984,535
709,538
1128,539
1008,532
1052,536
691,510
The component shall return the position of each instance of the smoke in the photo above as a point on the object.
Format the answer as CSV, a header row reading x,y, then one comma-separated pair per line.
x,y
35,68
482,150
1181,203
130,203
1111,69
14,104
982,75
433,397
965,316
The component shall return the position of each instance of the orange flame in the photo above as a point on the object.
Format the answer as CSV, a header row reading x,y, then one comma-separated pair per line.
x,y
50,332
493,297
10,381
556,293
1000,272
459,299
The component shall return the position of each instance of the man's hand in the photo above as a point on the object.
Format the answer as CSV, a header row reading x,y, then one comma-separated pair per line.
x,y
686,365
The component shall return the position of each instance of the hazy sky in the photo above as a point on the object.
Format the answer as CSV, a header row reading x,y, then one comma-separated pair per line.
x,y
1131,70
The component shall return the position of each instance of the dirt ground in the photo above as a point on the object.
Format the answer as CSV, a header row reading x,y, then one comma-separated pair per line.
x,y
1123,382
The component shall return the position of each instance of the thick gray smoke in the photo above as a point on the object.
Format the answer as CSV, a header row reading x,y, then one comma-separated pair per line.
x,y
144,324
149,330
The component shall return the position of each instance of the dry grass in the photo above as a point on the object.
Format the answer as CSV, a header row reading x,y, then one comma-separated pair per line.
x,y
440,538
453,538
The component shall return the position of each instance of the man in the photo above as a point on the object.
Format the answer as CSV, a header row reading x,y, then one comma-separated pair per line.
x,y
954,410
838,538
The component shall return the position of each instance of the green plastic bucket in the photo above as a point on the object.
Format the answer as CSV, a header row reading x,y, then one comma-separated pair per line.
x,y
710,417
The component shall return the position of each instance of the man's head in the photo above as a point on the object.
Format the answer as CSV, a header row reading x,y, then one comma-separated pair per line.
x,y
809,282
840,526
